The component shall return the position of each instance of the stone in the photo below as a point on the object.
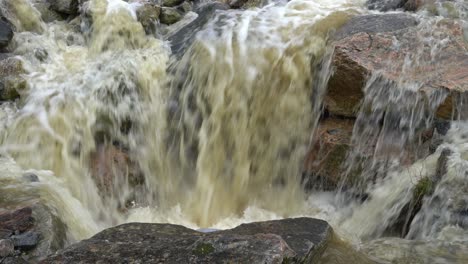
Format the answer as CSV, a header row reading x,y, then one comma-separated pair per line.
x,y
298,240
33,229
171,3
7,248
111,167
47,13
17,220
367,46
385,5
148,15
69,7
30,177
26,240
11,81
323,166
6,34
184,37
170,15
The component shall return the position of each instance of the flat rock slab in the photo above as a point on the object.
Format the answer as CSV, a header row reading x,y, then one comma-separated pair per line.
x,y
298,240
432,57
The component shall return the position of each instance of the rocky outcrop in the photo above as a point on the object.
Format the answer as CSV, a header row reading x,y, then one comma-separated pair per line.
x,y
300,240
11,80
384,44
29,233
6,34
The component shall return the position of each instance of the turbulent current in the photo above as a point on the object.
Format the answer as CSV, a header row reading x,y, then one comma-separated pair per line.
x,y
216,136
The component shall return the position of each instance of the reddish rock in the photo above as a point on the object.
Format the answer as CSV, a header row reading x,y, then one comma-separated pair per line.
x,y
360,54
112,167
323,166
19,219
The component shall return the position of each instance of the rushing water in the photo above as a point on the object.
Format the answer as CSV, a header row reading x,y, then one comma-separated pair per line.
x,y
216,137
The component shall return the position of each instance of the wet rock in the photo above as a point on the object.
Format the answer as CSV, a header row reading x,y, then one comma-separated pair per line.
x,y
6,34
300,240
148,15
47,14
385,5
26,240
172,3
33,229
111,168
382,43
69,7
15,260
414,5
323,167
185,36
11,81
19,220
7,248
31,177
170,15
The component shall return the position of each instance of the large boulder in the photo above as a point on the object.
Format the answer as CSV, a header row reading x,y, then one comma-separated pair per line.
x,y
384,45
6,34
300,240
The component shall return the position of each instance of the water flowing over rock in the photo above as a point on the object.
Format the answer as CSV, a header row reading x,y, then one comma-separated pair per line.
x,y
387,53
209,115
300,240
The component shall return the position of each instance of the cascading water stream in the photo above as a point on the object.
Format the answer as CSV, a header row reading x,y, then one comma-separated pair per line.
x,y
216,137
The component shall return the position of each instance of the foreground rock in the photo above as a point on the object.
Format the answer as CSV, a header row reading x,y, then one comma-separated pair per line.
x,y
300,240
29,233
383,44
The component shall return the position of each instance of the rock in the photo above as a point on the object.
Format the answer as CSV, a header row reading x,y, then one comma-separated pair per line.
x,y
183,38
148,15
11,81
69,7
15,260
172,3
170,15
19,220
111,167
299,240
31,177
6,34
413,5
7,248
33,229
26,240
323,167
375,24
383,47
385,5
47,14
